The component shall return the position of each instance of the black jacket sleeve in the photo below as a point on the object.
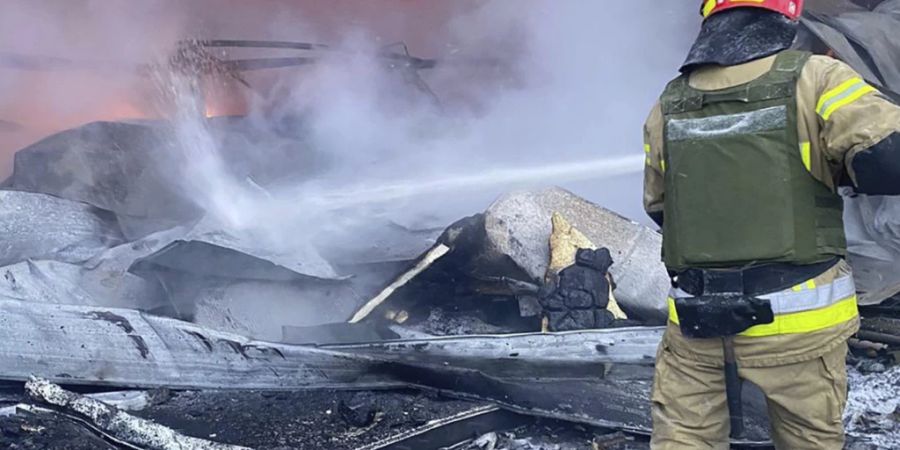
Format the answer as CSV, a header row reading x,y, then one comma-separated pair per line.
x,y
877,168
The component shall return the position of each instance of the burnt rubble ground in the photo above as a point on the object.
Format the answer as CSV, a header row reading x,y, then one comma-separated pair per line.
x,y
305,421
94,222
104,254
308,420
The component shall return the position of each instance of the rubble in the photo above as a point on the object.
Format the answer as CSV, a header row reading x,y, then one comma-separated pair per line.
x,y
110,166
210,249
872,417
118,424
42,227
406,335
68,284
117,167
126,348
518,227
424,262
501,258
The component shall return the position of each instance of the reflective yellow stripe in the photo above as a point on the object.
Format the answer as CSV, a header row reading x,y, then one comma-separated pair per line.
x,y
806,154
835,92
807,321
811,284
847,100
843,95
799,322
662,165
649,163
708,7
673,315
647,148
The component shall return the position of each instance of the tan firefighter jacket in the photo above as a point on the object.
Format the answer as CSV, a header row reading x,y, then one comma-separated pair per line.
x,y
835,125
839,115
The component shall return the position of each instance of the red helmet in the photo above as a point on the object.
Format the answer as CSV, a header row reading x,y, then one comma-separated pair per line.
x,y
790,8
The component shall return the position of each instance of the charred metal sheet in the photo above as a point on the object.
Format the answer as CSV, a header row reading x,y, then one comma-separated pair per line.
x,y
111,166
336,333
62,283
568,354
599,378
38,226
447,431
379,240
214,250
118,347
620,399
861,38
132,168
256,308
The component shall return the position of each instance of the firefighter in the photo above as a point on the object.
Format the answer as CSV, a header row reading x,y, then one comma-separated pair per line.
x,y
745,153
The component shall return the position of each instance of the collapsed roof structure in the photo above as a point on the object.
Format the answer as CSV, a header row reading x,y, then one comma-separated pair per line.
x,y
113,278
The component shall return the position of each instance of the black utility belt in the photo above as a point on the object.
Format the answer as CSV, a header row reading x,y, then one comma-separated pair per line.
x,y
725,302
759,280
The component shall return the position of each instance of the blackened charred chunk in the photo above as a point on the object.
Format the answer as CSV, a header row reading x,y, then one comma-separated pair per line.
x,y
578,299
359,416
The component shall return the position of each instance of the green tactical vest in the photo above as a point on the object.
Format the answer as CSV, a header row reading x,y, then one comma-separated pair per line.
x,y
736,190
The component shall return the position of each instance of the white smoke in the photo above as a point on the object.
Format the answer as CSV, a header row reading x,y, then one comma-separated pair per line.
x,y
532,93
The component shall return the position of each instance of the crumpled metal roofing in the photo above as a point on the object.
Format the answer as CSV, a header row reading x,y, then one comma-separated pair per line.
x,y
38,226
867,40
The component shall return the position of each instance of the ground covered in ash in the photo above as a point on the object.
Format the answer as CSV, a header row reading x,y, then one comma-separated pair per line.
x,y
872,418
350,420
260,420
47,432
301,420
554,435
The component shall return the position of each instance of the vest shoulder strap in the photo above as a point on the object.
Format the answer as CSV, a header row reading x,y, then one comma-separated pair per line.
x,y
779,82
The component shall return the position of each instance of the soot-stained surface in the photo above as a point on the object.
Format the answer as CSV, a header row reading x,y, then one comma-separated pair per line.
x,y
259,420
45,433
301,420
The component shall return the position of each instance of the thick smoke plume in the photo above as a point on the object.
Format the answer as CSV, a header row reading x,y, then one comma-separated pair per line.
x,y
527,93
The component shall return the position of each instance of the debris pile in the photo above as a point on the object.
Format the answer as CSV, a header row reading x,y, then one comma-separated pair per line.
x,y
872,418
531,325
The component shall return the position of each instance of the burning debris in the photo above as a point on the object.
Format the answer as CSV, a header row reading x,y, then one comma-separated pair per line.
x,y
531,325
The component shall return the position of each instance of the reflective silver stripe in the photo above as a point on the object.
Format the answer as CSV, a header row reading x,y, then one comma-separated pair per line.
x,y
791,301
766,119
678,293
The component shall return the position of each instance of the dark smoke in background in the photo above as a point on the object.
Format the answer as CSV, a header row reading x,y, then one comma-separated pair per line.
x,y
571,81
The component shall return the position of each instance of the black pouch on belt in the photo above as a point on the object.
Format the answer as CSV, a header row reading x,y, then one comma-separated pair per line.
x,y
722,309
710,316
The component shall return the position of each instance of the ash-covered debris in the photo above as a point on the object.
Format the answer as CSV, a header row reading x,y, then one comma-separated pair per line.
x,y
115,424
43,227
502,271
302,420
552,435
97,219
872,417
48,431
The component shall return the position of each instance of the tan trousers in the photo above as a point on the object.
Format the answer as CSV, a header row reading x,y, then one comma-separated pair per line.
x,y
805,402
